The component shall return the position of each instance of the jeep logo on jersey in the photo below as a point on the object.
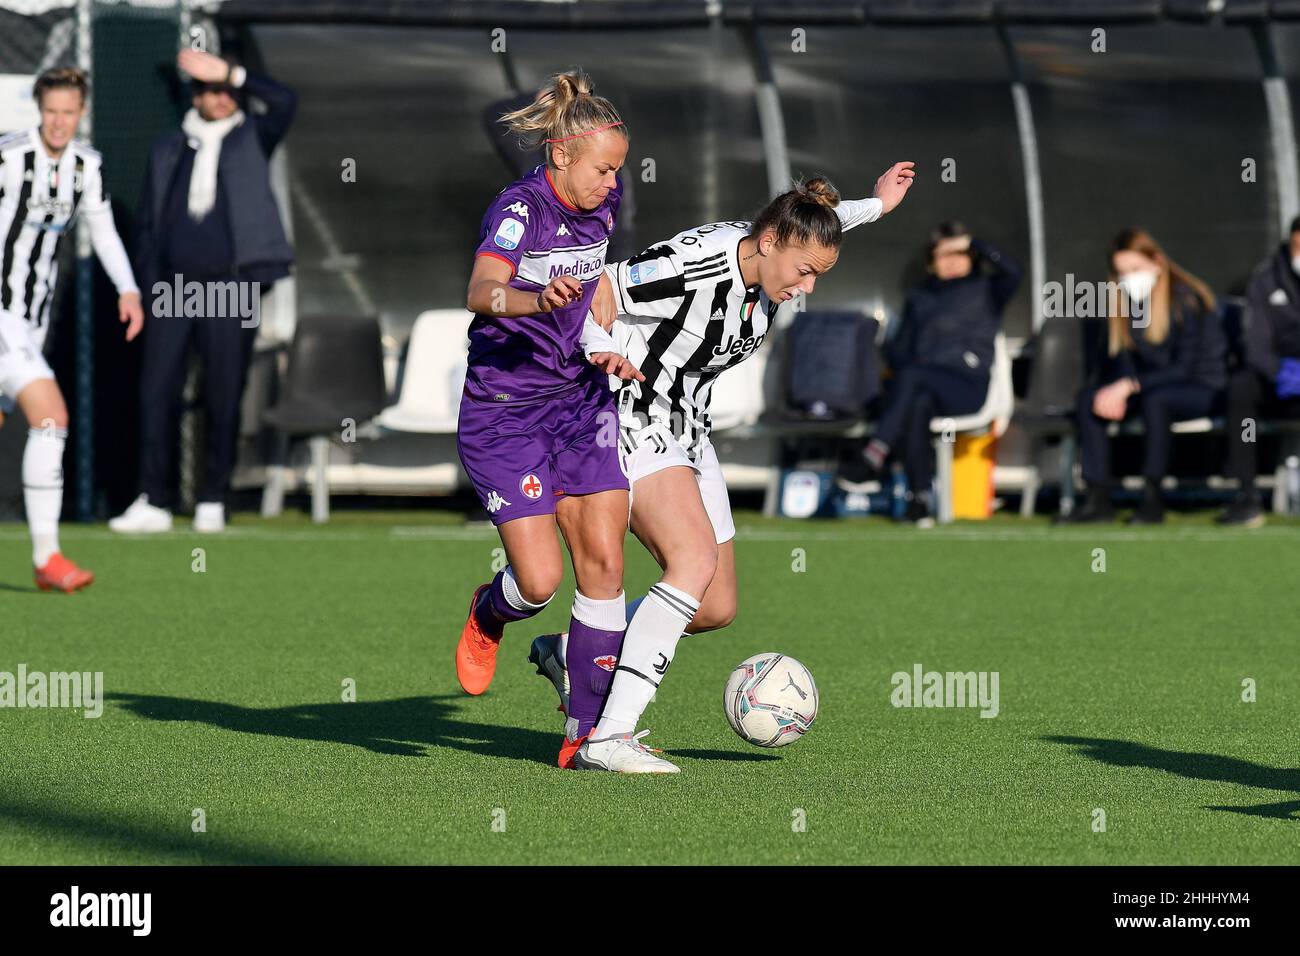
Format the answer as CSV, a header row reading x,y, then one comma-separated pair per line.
x,y
531,486
509,233
45,206
742,347
519,209
606,663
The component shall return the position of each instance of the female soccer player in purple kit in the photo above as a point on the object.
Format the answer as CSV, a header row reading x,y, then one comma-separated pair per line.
x,y
535,404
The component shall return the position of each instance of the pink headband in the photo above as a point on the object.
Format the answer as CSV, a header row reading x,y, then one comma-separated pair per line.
x,y
589,132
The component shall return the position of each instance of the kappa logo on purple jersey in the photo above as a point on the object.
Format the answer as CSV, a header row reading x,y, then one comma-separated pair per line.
x,y
519,209
643,272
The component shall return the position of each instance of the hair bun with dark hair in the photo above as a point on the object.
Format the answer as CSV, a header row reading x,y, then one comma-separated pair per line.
x,y
819,190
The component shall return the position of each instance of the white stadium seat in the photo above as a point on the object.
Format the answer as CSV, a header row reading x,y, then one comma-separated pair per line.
x,y
433,374
736,400
994,416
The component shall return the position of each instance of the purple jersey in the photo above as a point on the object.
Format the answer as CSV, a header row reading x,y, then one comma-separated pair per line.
x,y
530,357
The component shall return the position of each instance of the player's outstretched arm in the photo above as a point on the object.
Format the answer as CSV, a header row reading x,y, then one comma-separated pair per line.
x,y
890,189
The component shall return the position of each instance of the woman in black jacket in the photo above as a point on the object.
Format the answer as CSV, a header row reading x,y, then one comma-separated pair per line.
x,y
1165,362
941,357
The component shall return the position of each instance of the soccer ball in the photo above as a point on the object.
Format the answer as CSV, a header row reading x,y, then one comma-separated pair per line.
x,y
770,700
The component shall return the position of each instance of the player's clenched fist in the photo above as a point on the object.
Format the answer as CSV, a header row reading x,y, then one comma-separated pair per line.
x,y
558,293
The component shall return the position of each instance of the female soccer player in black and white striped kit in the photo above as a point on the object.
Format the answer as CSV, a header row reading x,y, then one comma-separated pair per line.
x,y
692,307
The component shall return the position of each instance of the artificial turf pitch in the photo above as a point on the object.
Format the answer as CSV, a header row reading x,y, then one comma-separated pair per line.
x,y
1120,691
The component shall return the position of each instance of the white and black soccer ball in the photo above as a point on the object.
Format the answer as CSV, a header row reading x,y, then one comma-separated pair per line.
x,y
770,700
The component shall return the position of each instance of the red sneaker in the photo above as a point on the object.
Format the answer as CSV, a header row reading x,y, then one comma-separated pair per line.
x,y
60,574
568,749
476,654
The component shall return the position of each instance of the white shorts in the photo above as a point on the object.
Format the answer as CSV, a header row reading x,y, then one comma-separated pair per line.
x,y
21,361
653,448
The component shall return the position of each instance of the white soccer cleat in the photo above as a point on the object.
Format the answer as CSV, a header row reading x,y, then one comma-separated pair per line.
x,y
210,517
623,753
142,518
546,655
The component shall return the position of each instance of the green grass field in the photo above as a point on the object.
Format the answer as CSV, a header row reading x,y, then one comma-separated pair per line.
x,y
1119,690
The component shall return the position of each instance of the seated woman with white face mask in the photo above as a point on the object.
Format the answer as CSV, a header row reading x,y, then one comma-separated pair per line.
x,y
1165,362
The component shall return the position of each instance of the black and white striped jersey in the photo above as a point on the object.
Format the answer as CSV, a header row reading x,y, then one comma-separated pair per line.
x,y
39,202
687,317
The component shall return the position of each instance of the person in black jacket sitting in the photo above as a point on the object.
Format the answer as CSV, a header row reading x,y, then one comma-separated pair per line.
x,y
1269,384
207,220
1165,362
941,357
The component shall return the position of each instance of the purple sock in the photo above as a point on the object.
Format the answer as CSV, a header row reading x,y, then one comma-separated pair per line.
x,y
501,603
591,657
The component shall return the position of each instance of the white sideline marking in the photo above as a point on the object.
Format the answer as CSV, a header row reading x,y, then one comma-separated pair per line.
x,y
898,535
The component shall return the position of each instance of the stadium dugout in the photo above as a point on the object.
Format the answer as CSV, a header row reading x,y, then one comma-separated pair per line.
x,y
1047,124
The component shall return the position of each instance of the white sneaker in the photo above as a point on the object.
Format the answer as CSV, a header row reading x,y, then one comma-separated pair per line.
x,y
142,518
545,654
623,753
210,517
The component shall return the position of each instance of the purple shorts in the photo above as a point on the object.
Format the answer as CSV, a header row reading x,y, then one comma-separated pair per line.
x,y
522,458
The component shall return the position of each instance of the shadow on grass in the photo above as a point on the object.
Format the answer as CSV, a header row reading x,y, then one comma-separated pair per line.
x,y
18,589
405,727
110,834
1194,766
734,755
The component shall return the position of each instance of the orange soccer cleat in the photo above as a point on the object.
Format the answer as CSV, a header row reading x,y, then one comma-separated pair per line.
x,y
60,574
476,654
568,749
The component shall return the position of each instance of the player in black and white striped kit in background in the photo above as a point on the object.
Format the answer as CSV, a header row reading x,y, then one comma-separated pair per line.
x,y
691,308
47,180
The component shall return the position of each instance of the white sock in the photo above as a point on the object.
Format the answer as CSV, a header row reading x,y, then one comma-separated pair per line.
x,y
515,598
607,614
648,649
43,489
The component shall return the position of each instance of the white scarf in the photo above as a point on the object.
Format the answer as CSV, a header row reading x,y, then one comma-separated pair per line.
x,y
206,136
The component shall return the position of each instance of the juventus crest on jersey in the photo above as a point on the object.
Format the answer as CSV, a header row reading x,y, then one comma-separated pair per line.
x,y
687,316
40,199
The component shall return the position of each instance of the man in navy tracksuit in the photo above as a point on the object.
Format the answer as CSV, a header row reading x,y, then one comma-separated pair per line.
x,y
1269,384
207,215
